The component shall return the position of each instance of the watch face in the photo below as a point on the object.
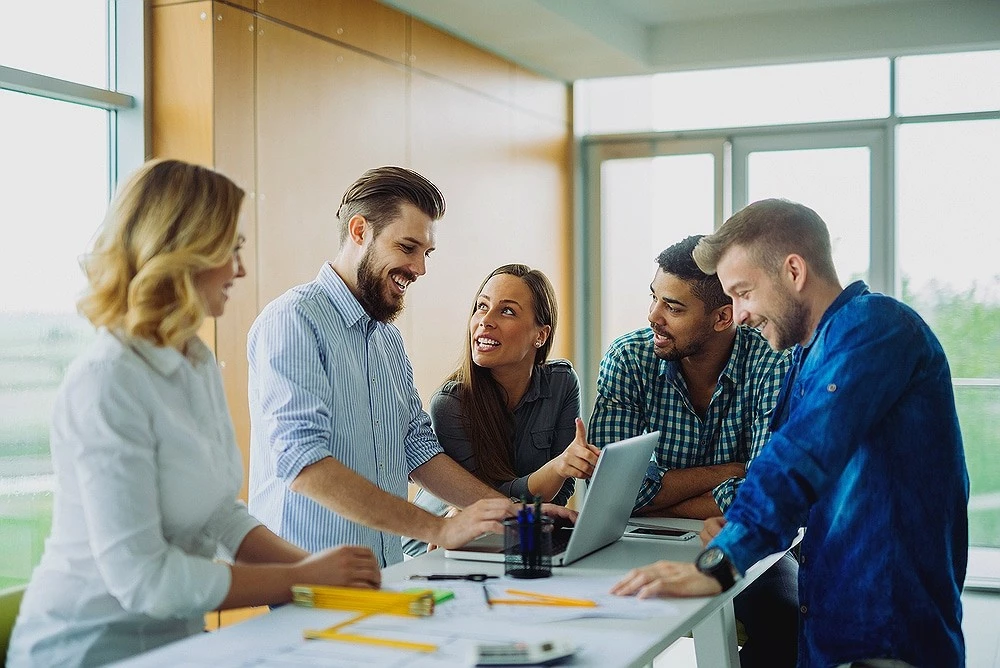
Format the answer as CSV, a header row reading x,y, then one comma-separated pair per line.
x,y
710,558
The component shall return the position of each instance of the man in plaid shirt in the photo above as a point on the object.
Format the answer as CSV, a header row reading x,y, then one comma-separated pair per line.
x,y
709,387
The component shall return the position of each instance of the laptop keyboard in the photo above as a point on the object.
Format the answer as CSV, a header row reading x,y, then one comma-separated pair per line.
x,y
560,539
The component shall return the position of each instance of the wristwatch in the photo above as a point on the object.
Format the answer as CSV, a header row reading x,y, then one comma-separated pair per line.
x,y
714,563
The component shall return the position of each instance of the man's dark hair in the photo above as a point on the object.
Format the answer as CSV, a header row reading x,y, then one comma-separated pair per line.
x,y
378,194
677,261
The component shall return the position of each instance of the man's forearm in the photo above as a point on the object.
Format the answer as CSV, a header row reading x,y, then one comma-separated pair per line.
x,y
444,478
679,485
697,508
342,490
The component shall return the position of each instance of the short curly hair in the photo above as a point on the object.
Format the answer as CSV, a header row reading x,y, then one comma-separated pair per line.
x,y
678,261
168,221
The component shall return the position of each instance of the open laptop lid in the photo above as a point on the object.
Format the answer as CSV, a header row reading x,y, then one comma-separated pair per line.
x,y
606,509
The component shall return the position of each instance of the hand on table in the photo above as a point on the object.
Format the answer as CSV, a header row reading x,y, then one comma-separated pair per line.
x,y
666,578
344,566
711,529
483,516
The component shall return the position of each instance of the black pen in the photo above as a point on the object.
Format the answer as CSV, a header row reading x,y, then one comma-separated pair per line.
x,y
486,593
474,577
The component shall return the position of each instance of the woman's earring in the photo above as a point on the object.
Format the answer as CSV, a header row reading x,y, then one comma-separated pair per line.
x,y
538,344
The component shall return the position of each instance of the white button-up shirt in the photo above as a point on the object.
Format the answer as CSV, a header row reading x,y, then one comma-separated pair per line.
x,y
147,473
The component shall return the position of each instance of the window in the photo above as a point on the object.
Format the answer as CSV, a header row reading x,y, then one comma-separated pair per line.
x,y
56,170
906,191
948,236
736,97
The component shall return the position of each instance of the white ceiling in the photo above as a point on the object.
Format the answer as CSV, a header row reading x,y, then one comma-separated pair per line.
x,y
580,39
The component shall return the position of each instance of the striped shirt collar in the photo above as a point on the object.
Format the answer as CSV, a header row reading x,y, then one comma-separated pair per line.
x,y
343,300
733,371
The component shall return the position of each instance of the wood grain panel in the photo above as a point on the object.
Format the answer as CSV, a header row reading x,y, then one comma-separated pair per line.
x,y
542,192
540,95
182,82
473,167
235,156
364,24
182,91
507,192
325,114
438,53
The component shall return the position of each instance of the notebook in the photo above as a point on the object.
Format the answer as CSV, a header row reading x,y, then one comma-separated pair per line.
x,y
605,511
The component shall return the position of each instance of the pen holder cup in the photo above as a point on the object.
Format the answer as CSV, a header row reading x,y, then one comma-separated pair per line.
x,y
527,547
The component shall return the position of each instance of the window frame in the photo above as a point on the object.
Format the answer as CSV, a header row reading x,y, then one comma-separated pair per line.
x,y
879,134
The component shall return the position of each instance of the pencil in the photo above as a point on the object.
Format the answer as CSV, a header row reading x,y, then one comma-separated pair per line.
x,y
368,640
541,601
486,593
534,598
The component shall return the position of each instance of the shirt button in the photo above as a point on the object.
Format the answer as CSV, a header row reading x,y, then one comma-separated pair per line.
x,y
831,388
804,609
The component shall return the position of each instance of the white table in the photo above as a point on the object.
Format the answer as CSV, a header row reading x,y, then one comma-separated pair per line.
x,y
710,620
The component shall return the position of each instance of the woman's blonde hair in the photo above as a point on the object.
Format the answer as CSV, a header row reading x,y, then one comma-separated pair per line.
x,y
168,221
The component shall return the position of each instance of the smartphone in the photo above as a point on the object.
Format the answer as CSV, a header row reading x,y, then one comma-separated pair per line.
x,y
663,532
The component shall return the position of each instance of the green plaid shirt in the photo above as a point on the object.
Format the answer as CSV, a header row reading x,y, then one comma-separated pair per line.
x,y
637,393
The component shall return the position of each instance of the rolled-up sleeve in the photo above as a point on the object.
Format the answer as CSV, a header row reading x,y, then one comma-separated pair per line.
x,y
293,390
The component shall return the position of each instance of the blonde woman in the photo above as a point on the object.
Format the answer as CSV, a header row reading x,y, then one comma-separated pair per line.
x,y
143,449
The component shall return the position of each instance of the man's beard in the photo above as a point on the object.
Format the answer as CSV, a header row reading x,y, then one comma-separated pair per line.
x,y
372,292
677,353
791,326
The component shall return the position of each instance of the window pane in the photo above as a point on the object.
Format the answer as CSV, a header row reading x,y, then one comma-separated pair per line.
x,y
53,176
834,182
66,39
647,204
948,235
948,83
979,415
737,97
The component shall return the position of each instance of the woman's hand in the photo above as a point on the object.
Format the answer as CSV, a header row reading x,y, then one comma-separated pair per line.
x,y
579,458
344,566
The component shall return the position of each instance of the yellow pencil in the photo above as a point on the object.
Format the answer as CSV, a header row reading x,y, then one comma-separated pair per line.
x,y
367,640
549,598
557,604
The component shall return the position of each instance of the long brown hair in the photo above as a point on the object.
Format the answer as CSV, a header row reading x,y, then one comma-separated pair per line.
x,y
488,422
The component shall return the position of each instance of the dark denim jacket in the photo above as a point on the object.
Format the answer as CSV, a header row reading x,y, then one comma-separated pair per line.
x,y
866,453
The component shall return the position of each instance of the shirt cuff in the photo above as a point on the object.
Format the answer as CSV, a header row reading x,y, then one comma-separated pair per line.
x,y
289,465
241,524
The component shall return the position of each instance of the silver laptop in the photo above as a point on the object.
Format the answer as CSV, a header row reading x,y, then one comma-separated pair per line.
x,y
605,511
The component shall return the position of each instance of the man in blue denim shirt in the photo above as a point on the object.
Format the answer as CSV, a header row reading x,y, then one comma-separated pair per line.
x,y
865,452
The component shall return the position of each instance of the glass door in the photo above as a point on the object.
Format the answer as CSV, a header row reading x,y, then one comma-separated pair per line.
x,y
643,197
839,174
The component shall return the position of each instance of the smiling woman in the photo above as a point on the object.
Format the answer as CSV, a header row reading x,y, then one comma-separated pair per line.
x,y
508,414
145,458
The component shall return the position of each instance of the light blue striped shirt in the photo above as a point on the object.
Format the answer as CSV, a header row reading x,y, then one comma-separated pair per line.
x,y
326,380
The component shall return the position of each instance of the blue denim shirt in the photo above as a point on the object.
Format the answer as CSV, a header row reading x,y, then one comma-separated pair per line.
x,y
865,452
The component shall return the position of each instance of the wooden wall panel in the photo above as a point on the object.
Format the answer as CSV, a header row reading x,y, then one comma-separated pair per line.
x,y
235,156
183,82
182,90
542,96
506,192
325,114
364,24
542,199
458,62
